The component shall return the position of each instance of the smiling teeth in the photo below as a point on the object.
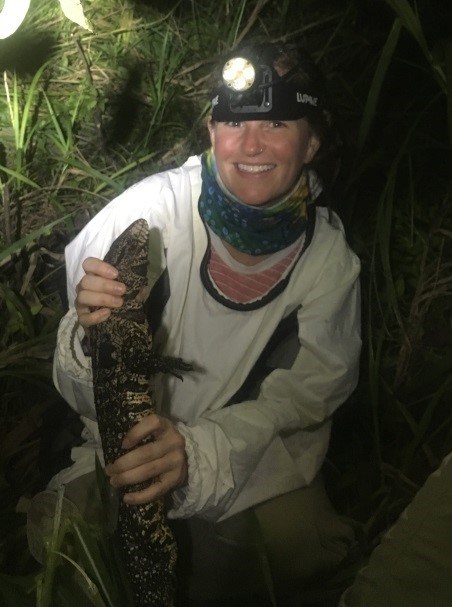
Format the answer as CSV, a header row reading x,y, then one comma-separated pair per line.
x,y
253,168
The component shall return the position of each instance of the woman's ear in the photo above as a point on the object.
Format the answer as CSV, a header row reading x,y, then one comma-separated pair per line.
x,y
211,128
312,147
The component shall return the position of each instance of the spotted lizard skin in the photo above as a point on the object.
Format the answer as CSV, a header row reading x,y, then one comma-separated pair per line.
x,y
124,365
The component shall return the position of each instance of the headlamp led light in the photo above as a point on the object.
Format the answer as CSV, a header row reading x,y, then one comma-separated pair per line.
x,y
253,90
239,74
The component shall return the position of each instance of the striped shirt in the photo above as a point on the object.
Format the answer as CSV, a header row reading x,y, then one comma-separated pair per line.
x,y
241,283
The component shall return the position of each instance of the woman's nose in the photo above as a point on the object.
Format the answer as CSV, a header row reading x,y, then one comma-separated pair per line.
x,y
252,142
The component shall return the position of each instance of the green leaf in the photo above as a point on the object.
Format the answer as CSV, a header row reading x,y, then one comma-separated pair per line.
x,y
377,82
410,20
448,73
16,591
20,317
98,568
19,177
73,10
89,585
12,16
23,242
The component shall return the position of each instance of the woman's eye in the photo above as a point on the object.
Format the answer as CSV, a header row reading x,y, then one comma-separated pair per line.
x,y
275,124
234,123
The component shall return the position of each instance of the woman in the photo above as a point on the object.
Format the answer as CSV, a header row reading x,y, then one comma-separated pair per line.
x,y
261,295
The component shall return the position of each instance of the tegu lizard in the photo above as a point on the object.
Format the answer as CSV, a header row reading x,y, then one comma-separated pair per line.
x,y
124,363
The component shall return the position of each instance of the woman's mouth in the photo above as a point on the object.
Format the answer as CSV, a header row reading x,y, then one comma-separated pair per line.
x,y
255,168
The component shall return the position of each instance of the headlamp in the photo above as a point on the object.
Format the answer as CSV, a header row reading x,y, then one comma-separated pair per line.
x,y
253,90
239,74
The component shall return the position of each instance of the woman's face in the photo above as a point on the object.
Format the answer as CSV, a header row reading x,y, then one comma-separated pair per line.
x,y
258,160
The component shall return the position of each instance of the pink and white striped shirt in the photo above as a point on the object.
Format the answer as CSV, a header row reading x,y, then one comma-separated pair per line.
x,y
241,283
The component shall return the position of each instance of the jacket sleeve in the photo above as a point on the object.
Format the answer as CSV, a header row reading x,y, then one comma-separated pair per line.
x,y
251,451
72,373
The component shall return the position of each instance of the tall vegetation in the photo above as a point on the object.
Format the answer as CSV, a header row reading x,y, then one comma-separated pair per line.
x,y
83,115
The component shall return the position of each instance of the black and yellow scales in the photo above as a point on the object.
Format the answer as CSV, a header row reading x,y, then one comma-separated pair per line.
x,y
124,365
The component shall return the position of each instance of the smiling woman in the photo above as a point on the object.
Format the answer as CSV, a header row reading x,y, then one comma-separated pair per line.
x,y
259,292
260,160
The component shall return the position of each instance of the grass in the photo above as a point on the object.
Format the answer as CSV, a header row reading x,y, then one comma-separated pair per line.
x,y
83,115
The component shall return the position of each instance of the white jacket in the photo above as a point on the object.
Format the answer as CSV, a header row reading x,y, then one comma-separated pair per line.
x,y
248,452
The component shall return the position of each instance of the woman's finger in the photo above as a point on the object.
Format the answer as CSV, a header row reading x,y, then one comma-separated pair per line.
x,y
93,265
149,425
87,318
162,485
163,460
146,462
97,299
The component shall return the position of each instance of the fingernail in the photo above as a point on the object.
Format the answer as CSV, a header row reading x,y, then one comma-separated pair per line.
x,y
104,313
112,272
126,444
120,288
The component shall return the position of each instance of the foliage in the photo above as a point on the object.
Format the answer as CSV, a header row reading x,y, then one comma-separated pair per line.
x,y
399,212
83,115
13,12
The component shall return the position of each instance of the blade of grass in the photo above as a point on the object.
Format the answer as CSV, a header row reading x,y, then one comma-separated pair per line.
x,y
448,74
95,564
26,240
126,169
45,579
40,347
93,592
377,82
423,425
20,317
30,98
19,176
410,20
15,591
90,171
22,129
64,141
234,30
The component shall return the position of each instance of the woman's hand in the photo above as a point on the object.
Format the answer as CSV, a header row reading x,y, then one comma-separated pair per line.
x,y
97,289
162,460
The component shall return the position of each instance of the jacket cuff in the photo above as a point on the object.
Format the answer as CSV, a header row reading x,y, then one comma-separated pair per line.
x,y
185,499
72,373
206,487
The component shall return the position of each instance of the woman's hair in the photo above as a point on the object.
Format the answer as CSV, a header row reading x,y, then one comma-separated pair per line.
x,y
307,74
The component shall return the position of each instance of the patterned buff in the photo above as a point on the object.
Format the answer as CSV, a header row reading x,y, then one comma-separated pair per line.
x,y
252,230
